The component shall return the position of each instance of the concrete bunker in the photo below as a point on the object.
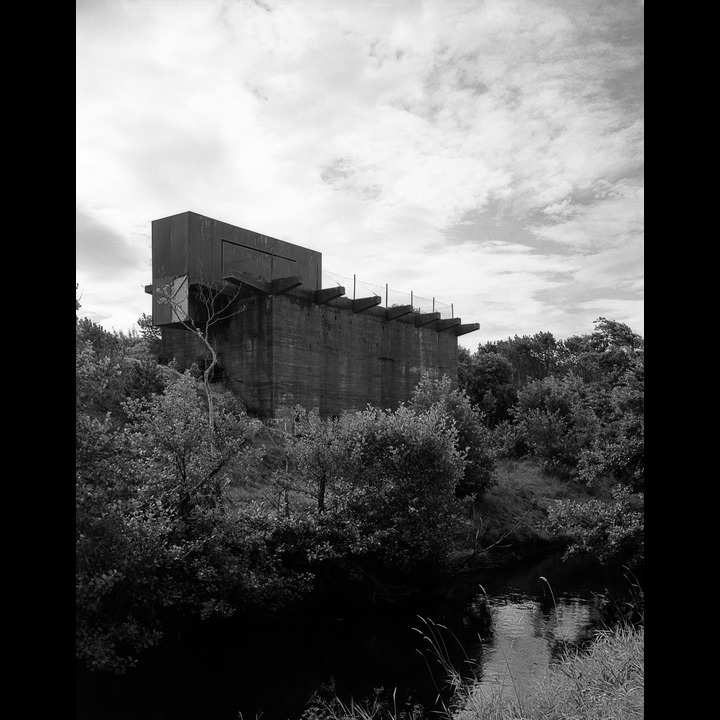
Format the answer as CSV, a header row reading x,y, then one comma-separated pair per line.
x,y
294,342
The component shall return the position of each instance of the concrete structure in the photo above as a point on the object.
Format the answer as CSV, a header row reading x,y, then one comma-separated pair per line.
x,y
293,342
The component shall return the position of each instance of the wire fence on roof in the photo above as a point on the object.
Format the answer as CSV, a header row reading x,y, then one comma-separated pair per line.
x,y
356,288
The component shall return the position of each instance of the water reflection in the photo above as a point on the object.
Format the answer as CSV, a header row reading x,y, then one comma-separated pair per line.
x,y
526,638
537,613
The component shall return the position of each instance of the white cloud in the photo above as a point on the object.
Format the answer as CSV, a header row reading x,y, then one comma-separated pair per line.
x,y
366,131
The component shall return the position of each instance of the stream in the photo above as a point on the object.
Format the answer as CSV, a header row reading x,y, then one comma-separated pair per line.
x,y
396,652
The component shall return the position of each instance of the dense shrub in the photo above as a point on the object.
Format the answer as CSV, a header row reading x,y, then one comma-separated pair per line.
x,y
391,477
612,531
474,439
555,420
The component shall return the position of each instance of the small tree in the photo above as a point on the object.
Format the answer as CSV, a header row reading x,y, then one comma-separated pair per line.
x,y
473,437
151,334
212,303
555,418
384,482
318,455
487,379
617,451
178,452
155,540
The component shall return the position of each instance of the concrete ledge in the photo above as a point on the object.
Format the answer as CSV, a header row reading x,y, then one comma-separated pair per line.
x,y
149,289
396,312
220,288
467,328
327,294
285,284
362,304
278,286
442,325
426,318
250,281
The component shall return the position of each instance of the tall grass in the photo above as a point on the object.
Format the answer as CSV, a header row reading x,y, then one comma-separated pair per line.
x,y
604,680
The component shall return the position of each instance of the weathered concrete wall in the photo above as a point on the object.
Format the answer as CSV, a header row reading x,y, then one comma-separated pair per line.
x,y
331,359
286,350
207,250
295,343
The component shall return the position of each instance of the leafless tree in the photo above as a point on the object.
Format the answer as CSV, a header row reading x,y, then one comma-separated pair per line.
x,y
200,307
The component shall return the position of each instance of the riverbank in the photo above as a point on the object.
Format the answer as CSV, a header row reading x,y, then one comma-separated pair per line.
x,y
605,681
358,630
509,520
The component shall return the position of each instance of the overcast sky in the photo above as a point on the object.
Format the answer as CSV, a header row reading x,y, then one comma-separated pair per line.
x,y
487,153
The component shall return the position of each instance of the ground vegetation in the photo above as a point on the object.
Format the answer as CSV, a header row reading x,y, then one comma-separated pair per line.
x,y
189,510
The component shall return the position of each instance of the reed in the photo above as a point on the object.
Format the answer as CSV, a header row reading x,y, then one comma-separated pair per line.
x,y
604,680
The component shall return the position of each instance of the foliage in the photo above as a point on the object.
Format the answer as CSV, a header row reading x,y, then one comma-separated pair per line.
x,y
322,466
105,343
151,334
155,539
116,345
487,379
604,355
409,470
613,531
325,705
474,440
158,541
617,450
104,382
605,682
555,419
387,478
530,357
576,405
177,450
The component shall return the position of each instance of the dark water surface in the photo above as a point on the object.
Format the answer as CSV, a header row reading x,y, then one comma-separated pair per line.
x,y
264,668
540,609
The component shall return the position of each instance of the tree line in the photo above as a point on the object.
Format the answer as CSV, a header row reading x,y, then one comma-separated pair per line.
x,y
190,508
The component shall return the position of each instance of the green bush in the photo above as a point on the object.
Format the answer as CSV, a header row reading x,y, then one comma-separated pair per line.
x,y
474,439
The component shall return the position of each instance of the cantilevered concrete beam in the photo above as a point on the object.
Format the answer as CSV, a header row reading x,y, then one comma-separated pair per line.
x,y
468,327
362,304
323,296
441,325
395,312
221,288
256,284
426,318
148,289
285,284
250,281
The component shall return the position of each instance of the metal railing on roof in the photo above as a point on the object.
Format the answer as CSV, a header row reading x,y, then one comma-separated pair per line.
x,y
355,288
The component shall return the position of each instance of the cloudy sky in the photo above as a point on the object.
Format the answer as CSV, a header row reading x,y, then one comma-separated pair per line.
x,y
486,153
